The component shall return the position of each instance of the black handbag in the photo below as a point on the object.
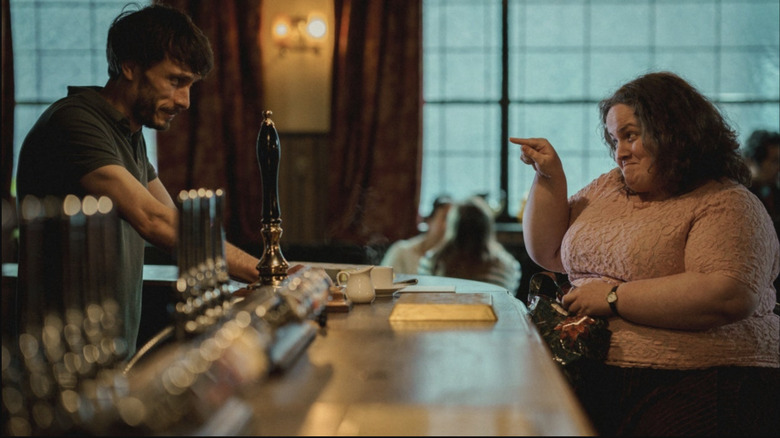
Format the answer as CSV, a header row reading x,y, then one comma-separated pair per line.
x,y
571,338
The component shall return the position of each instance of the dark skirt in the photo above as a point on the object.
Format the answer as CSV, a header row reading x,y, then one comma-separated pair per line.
x,y
651,402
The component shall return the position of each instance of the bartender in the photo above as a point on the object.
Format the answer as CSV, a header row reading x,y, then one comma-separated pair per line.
x,y
90,143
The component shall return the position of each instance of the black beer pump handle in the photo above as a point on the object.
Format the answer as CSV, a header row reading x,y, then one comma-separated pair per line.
x,y
268,154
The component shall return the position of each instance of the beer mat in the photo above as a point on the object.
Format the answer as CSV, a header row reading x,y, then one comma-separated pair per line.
x,y
443,306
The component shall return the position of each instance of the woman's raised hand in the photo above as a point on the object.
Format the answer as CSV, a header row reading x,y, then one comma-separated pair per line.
x,y
539,153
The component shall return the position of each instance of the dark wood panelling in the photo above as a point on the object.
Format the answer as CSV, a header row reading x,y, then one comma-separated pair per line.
x,y
303,187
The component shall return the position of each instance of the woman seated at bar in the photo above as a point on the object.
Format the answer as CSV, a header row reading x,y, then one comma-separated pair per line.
x,y
675,250
470,249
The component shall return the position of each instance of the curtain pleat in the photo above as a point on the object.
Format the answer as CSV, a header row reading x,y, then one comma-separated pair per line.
x,y
376,121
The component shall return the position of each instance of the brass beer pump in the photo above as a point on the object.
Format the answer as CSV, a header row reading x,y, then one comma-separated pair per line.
x,y
272,267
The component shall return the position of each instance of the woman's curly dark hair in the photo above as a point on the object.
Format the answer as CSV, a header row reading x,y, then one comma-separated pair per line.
x,y
683,131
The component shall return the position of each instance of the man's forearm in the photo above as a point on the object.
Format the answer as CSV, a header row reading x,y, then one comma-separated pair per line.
x,y
241,265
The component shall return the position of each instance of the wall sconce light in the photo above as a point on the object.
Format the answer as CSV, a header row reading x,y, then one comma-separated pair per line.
x,y
297,40
300,34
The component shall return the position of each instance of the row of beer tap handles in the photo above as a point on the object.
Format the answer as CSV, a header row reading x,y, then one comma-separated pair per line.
x,y
65,372
202,287
61,359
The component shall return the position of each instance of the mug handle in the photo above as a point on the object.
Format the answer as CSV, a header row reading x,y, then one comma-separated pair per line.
x,y
341,278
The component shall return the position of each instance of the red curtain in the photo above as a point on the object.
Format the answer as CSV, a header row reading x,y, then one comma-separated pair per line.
x,y
376,121
7,91
212,145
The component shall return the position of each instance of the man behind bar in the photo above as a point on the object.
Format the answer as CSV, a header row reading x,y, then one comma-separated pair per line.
x,y
90,142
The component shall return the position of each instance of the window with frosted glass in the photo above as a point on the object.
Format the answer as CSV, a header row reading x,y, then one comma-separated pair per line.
x,y
58,43
563,57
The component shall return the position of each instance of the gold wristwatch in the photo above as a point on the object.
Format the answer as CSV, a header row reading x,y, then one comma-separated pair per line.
x,y
612,300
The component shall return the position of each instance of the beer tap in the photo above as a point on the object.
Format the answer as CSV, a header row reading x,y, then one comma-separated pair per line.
x,y
220,256
272,266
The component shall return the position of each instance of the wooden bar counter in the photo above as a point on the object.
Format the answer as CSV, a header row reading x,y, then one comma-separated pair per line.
x,y
365,375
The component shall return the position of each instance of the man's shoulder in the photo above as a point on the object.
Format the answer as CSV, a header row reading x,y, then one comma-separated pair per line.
x,y
79,96
86,97
87,92
77,105
82,110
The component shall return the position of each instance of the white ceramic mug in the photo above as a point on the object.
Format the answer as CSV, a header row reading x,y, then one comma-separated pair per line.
x,y
382,277
359,287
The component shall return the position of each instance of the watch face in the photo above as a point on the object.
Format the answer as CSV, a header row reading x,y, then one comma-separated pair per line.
x,y
611,297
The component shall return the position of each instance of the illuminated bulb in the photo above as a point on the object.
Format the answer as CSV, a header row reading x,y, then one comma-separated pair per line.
x,y
316,28
281,30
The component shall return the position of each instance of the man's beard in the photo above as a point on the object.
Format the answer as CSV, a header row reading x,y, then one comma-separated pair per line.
x,y
145,109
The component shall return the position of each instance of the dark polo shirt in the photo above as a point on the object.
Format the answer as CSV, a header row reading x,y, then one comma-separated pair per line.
x,y
74,136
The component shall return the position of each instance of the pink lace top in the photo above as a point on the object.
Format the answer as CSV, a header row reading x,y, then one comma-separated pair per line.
x,y
719,227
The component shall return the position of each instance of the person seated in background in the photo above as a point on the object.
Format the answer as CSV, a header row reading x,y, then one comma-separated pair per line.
x,y
762,152
675,251
404,255
470,249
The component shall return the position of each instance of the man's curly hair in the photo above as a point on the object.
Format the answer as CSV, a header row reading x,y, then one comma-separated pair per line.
x,y
152,34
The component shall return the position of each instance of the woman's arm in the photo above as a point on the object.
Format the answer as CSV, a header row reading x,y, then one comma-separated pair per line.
x,y
546,215
730,259
687,301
